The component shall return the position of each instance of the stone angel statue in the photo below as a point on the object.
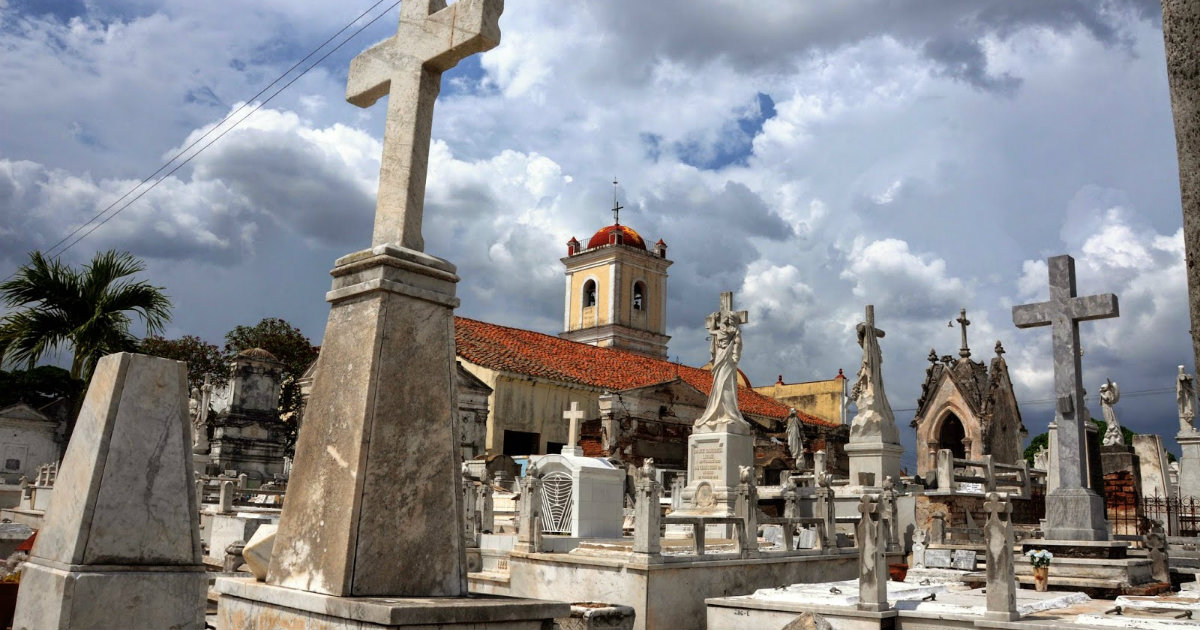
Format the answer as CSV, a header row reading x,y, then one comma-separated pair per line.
x,y
1109,395
795,438
1185,398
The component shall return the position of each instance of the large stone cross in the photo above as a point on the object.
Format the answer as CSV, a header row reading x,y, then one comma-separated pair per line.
x,y
1063,312
574,415
726,307
408,67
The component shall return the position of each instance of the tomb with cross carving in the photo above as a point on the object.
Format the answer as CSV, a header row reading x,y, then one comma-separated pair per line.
x,y
382,405
581,496
968,407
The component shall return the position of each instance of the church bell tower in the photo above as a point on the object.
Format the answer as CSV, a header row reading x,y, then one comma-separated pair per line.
x,y
617,291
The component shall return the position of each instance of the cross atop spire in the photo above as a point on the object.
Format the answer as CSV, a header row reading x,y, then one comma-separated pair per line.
x,y
616,209
963,322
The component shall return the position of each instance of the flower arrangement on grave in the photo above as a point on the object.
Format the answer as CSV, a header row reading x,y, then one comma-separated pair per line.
x,y
1039,557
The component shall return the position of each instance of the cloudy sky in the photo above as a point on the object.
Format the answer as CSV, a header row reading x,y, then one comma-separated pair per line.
x,y
813,157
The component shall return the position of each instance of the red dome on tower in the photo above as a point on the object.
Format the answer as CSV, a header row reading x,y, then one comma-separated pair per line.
x,y
625,235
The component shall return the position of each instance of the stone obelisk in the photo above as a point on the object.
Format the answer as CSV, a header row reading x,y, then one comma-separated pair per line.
x,y
373,510
1181,34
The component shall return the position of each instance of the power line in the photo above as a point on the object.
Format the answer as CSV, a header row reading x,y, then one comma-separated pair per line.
x,y
50,251
1050,401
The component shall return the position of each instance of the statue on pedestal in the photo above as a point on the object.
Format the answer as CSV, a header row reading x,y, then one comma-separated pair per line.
x,y
1109,395
1185,397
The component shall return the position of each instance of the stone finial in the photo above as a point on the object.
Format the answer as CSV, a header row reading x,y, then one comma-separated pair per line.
x,y
999,348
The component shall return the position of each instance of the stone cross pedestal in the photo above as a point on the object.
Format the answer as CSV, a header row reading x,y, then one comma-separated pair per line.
x,y
874,448
1001,581
574,415
872,563
1073,510
373,509
120,545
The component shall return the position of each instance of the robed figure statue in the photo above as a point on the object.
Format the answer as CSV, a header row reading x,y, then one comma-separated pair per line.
x,y
725,344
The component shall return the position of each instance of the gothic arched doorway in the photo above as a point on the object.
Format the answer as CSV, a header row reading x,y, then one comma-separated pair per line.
x,y
951,436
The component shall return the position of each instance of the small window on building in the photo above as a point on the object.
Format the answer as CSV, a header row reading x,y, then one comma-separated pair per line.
x,y
639,296
589,293
12,464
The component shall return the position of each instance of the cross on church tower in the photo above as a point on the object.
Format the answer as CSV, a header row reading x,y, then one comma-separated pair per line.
x,y
616,209
726,308
1081,515
574,415
408,67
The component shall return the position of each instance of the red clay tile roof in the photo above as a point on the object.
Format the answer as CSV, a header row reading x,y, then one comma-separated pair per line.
x,y
536,354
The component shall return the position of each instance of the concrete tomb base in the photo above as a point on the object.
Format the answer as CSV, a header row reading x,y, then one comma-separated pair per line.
x,y
247,604
876,459
92,597
1099,567
1070,513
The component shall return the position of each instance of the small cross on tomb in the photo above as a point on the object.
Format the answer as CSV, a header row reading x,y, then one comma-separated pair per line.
x,y
407,68
997,505
963,322
574,415
726,308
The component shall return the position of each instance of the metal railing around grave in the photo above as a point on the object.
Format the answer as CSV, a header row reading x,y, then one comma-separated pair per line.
x,y
1178,516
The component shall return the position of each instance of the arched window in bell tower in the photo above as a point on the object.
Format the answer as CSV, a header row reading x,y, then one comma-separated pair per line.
x,y
639,296
589,293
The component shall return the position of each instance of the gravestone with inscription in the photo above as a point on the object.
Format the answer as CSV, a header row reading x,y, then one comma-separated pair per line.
x,y
721,439
939,558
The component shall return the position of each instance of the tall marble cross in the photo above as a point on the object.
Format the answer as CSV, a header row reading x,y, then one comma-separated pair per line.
x,y
1063,312
574,415
726,307
408,67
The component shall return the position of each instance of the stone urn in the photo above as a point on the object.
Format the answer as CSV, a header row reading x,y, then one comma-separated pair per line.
x,y
1041,577
897,572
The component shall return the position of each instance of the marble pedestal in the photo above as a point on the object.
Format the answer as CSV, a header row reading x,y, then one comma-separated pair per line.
x,y
713,461
1118,458
1189,464
249,605
1074,514
372,508
120,545
875,458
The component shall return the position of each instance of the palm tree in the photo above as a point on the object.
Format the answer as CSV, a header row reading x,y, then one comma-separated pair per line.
x,y
56,305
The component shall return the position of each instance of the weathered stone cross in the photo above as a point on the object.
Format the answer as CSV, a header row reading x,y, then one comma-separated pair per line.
x,y
726,308
408,67
963,322
1063,312
574,415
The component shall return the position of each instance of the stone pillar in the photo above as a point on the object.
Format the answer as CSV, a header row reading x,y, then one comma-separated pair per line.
x,y
825,509
790,508
120,546
647,518
1001,583
1189,465
225,505
820,465
891,515
989,474
1181,34
748,511
872,563
487,506
529,521
945,470
938,535
379,439
1156,545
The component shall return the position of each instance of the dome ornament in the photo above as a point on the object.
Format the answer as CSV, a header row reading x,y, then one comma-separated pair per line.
x,y
616,209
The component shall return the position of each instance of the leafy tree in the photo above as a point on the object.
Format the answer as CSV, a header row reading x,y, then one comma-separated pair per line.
x,y
287,343
38,387
88,309
201,357
1038,441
